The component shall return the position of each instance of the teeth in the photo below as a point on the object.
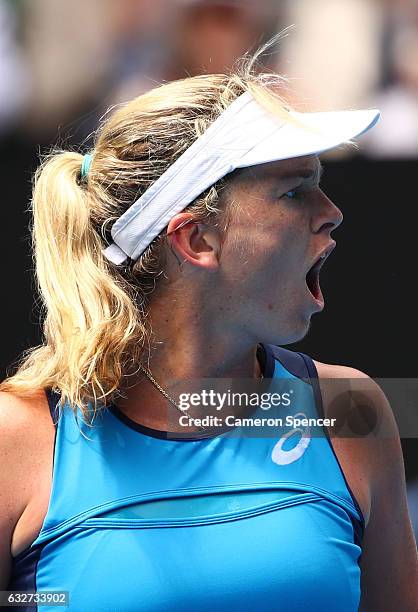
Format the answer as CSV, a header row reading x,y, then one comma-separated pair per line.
x,y
321,258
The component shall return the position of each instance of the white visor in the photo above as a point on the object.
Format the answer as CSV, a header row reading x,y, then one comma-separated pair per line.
x,y
245,134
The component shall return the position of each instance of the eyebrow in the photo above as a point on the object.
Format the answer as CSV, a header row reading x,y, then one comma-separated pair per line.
x,y
305,173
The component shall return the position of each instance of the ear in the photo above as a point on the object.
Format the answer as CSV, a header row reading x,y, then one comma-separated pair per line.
x,y
194,241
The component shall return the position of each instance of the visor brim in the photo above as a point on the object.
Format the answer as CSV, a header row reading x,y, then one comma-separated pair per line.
x,y
311,133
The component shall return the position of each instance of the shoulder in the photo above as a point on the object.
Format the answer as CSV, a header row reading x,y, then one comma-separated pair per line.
x,y
20,416
389,565
354,394
368,423
26,420
25,426
330,370
25,433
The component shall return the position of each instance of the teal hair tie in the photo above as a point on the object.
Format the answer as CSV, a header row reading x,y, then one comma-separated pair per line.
x,y
85,166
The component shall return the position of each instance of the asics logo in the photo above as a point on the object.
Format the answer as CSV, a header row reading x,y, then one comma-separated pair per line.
x,y
283,457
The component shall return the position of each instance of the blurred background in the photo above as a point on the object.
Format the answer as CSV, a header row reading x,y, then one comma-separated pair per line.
x,y
63,65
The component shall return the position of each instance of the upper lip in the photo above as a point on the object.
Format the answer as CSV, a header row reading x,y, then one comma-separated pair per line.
x,y
322,256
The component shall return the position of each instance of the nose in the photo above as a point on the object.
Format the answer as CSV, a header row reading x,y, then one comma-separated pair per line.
x,y
327,214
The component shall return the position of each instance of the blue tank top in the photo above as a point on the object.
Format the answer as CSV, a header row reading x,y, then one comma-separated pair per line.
x,y
139,521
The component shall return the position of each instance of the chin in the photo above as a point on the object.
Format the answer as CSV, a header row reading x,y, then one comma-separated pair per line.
x,y
295,334
291,339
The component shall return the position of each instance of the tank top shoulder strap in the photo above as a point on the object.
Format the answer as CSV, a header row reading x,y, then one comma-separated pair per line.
x,y
302,366
53,398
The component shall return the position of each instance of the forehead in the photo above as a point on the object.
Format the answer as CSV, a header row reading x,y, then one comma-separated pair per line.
x,y
307,166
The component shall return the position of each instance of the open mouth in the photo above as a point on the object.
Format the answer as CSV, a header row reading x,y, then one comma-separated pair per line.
x,y
312,279
312,276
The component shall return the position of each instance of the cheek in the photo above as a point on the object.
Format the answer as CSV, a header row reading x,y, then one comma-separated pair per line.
x,y
265,247
255,237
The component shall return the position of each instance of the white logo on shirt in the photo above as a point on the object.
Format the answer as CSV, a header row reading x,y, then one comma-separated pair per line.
x,y
284,457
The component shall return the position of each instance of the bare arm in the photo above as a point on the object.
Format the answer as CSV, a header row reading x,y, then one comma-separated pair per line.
x,y
389,562
22,445
10,507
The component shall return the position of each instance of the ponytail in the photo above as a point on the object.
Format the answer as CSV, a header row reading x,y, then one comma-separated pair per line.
x,y
96,326
91,316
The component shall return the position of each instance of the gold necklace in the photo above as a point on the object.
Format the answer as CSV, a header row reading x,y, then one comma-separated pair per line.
x,y
170,399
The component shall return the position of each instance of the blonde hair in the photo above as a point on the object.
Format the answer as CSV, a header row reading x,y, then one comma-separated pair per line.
x,y
95,323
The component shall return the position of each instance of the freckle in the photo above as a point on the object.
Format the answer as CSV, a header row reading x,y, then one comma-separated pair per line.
x,y
270,306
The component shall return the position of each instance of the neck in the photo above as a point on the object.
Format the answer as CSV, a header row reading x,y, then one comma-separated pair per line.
x,y
185,345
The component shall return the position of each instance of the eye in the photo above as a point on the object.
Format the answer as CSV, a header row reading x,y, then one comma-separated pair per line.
x,y
292,194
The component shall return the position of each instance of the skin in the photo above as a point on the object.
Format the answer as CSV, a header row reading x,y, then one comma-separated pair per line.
x,y
281,222
221,294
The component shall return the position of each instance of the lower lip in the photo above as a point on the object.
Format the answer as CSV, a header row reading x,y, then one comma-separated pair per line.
x,y
319,299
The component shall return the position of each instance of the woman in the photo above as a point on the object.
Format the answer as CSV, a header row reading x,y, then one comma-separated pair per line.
x,y
187,245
